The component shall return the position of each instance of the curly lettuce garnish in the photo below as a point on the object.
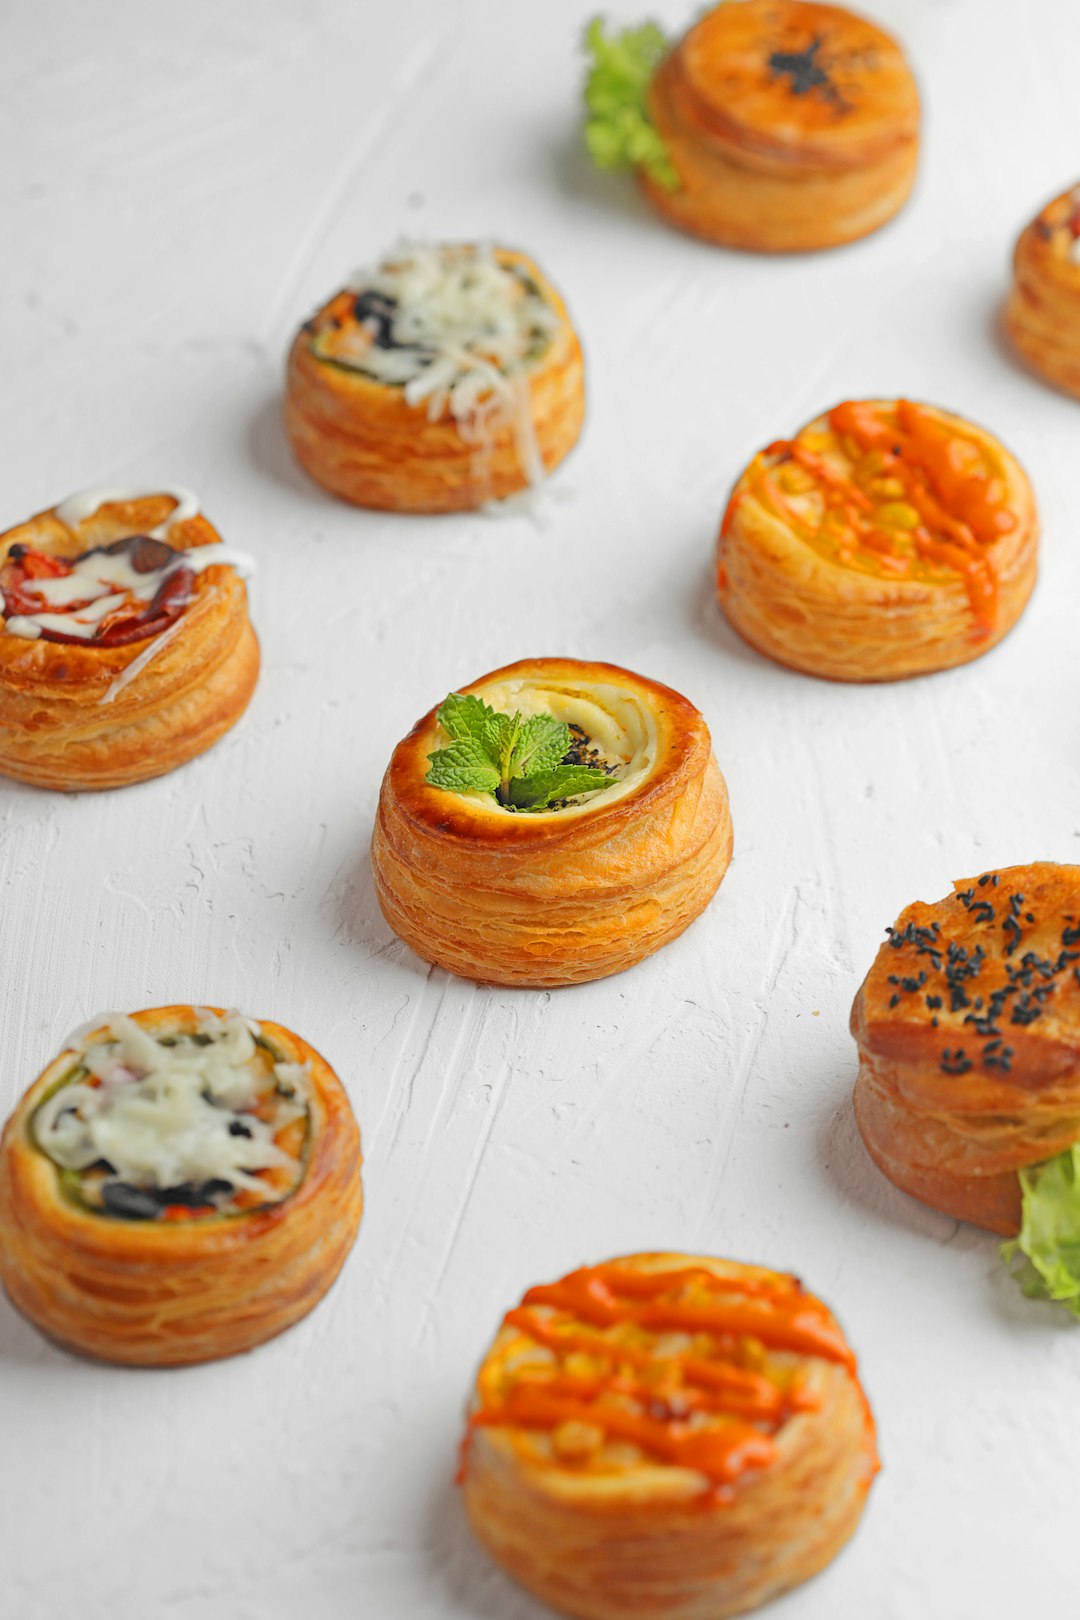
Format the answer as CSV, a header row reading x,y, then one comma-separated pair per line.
x,y
618,132
1049,1238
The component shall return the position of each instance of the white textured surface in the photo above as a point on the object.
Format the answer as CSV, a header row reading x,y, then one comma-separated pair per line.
x,y
180,185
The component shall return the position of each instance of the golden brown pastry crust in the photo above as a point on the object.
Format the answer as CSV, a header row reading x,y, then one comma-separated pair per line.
x,y
562,897
1042,316
968,1028
887,606
792,126
57,728
624,1532
166,1295
362,441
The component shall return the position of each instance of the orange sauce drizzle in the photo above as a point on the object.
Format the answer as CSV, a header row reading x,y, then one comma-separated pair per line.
x,y
666,1388
958,499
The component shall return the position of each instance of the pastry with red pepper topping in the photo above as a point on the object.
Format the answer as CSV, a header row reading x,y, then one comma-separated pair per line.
x,y
1042,315
886,539
669,1436
125,643
178,1185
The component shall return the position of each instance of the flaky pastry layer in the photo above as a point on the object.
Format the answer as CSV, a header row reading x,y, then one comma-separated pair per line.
x,y
150,1294
564,896
1042,315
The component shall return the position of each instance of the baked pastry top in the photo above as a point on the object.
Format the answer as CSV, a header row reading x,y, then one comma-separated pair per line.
x,y
178,1184
968,1027
509,884
441,377
1042,315
706,1411
125,643
887,538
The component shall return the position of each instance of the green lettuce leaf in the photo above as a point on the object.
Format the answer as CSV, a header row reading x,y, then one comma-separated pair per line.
x,y
1049,1239
618,132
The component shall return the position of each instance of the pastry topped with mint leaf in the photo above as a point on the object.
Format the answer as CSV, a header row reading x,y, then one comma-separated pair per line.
x,y
525,762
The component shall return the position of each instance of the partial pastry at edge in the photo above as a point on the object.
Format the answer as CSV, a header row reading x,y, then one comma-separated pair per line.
x,y
178,1185
509,883
886,539
125,643
667,1435
1042,316
772,125
440,379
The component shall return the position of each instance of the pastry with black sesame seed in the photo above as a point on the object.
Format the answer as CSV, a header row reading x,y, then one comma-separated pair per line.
x,y
968,1091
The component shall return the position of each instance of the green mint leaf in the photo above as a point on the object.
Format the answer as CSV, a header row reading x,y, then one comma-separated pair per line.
x,y
618,131
562,782
464,767
1049,1238
463,716
496,737
541,743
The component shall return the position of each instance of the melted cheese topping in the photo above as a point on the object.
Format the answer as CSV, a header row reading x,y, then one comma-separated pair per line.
x,y
85,502
209,1122
617,722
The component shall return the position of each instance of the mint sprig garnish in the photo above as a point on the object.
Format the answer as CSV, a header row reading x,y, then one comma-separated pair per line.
x,y
518,760
618,131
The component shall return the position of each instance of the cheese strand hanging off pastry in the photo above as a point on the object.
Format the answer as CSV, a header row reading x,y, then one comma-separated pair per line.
x,y
1042,316
968,1093
774,125
178,1185
886,539
554,822
669,1436
125,643
442,378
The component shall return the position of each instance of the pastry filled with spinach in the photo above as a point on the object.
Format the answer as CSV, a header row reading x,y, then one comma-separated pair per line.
x,y
178,1185
553,822
440,379
886,539
669,1436
968,1092
775,125
1042,316
125,643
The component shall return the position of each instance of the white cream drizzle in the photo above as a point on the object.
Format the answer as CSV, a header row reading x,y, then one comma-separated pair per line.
x,y
85,502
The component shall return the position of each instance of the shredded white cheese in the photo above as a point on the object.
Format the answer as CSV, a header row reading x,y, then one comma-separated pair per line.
x,y
168,1116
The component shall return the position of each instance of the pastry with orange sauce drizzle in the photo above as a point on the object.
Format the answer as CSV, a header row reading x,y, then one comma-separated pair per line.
x,y
581,888
443,378
1042,316
668,1436
125,643
786,125
178,1185
886,539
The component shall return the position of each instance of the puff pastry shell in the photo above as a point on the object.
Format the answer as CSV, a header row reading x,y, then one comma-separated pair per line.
x,y
886,539
968,1028
91,716
363,441
562,896
1042,316
791,125
667,1436
168,1293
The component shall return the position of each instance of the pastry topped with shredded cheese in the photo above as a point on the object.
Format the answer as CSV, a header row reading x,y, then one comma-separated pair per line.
x,y
176,1126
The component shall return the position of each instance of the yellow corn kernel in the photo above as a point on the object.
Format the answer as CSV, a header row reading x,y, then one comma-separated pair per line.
x,y
890,488
574,1440
898,515
795,480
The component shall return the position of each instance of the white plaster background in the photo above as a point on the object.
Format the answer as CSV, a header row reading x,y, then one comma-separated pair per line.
x,y
179,187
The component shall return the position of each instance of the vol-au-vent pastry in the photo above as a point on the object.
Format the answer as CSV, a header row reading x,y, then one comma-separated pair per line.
x,y
968,1092
774,125
1042,316
551,823
885,539
178,1185
667,1436
125,643
440,379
